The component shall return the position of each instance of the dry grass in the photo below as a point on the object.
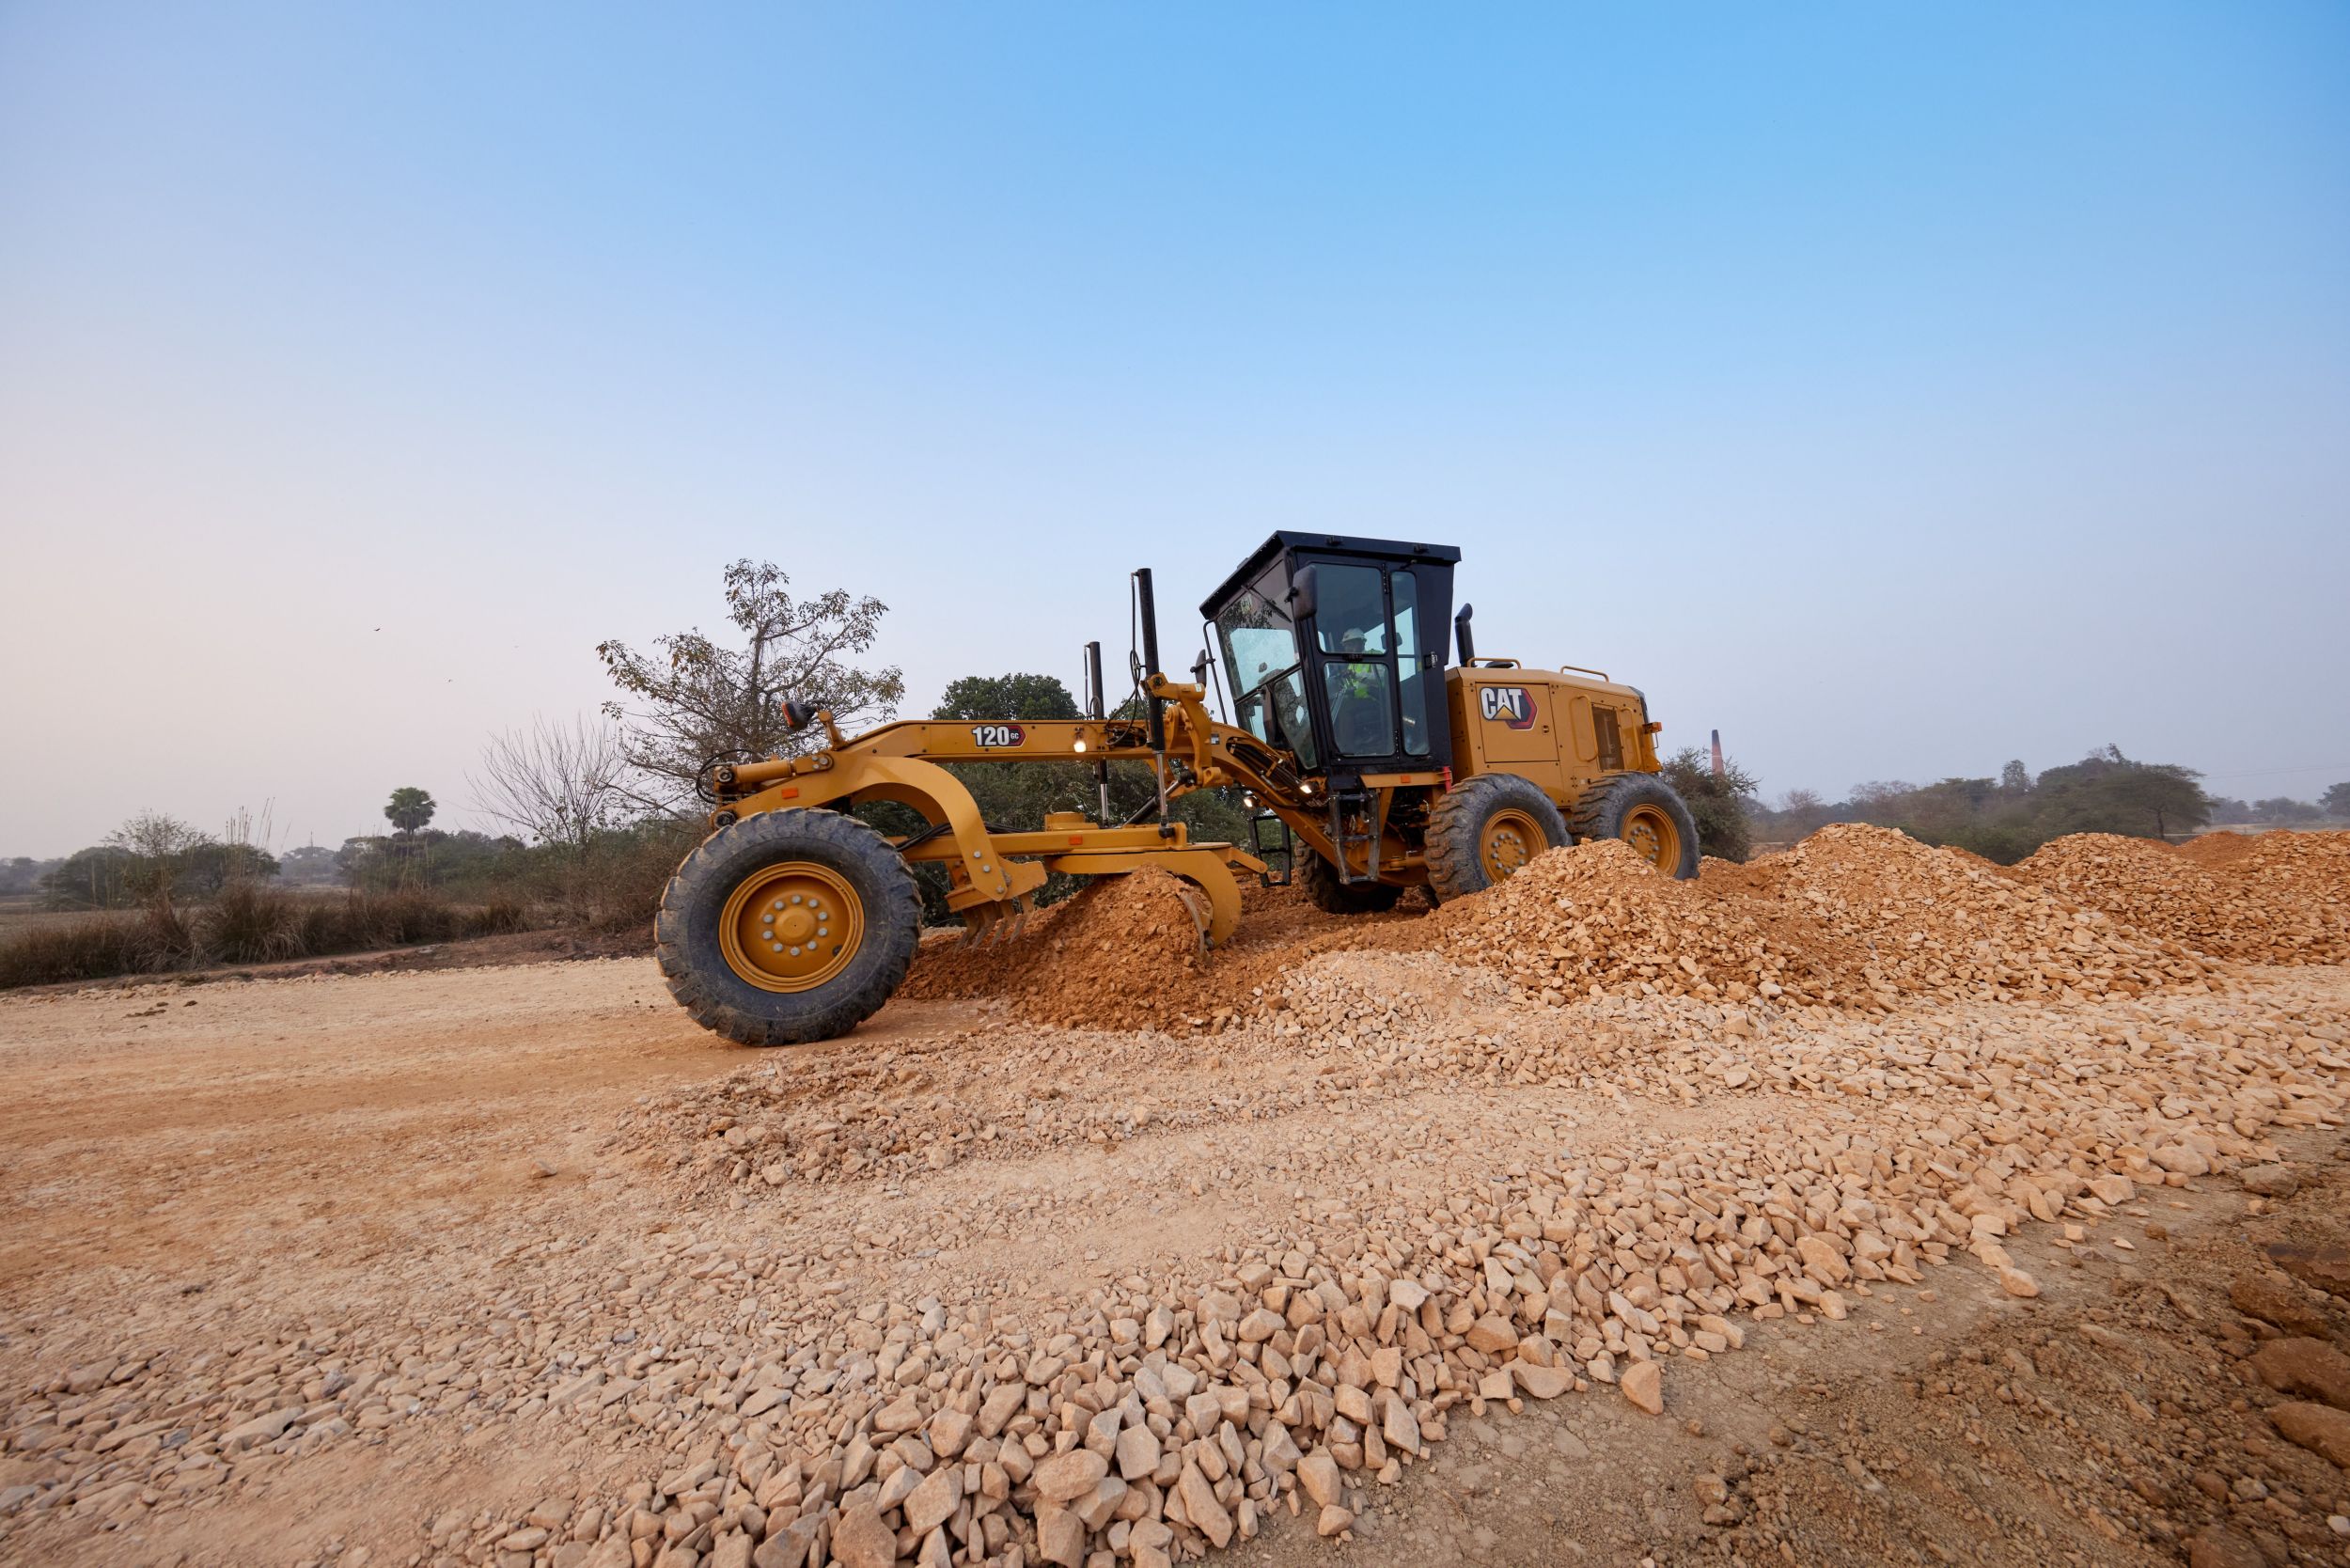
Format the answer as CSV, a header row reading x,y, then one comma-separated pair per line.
x,y
248,923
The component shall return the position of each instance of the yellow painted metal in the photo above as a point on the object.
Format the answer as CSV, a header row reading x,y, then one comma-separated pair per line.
x,y
1207,868
1512,839
1065,838
1536,724
1652,831
979,871
792,926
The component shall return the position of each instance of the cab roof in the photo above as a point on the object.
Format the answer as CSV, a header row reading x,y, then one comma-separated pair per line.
x,y
1378,549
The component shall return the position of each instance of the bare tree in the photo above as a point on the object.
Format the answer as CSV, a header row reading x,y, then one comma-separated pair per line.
x,y
559,783
695,701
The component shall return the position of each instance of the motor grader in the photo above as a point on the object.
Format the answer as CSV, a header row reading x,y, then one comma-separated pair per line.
x,y
1378,750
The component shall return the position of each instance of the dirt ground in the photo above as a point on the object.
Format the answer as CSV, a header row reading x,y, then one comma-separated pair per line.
x,y
515,1265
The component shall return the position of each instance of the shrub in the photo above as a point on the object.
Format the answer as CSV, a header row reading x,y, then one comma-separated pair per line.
x,y
1717,805
251,923
616,882
84,949
502,915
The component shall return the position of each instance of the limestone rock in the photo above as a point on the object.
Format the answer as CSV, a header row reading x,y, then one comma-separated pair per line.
x,y
2319,1427
1065,1477
1643,1383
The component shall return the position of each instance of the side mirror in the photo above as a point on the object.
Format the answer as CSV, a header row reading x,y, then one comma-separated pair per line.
x,y
1302,598
797,716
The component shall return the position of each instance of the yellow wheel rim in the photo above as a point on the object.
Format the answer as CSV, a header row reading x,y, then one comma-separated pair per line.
x,y
792,926
1652,830
1512,839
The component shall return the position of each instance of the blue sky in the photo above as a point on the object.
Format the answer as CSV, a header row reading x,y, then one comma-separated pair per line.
x,y
1899,389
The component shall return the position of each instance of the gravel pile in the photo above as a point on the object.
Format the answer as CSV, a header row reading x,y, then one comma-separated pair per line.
x,y
1123,955
2314,867
2253,912
1921,923
1853,917
1190,1404
1597,916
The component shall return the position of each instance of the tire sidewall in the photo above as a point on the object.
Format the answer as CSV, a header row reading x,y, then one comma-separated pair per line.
x,y
1485,796
1630,790
693,916
1325,892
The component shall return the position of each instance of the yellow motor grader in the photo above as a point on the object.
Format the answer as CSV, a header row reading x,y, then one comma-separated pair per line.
x,y
1375,763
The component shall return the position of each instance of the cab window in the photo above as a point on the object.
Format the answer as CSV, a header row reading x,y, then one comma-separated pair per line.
x,y
1411,681
1352,615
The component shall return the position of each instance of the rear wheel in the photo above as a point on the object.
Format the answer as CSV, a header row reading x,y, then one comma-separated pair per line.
x,y
1325,892
1482,829
1645,812
788,927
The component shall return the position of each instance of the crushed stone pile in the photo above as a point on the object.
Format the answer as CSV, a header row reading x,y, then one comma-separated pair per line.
x,y
1916,922
2252,915
1093,959
1598,915
1853,917
1054,968
1174,1408
2312,866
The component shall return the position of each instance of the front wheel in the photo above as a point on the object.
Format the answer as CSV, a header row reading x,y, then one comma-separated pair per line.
x,y
1319,880
788,927
1645,812
1482,829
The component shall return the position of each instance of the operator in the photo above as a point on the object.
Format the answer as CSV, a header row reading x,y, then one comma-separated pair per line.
x,y
1358,698
1353,680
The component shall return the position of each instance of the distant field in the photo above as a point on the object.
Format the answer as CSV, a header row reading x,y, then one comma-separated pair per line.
x,y
22,912
18,915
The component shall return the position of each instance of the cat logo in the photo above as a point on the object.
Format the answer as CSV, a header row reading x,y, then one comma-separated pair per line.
x,y
990,736
1512,705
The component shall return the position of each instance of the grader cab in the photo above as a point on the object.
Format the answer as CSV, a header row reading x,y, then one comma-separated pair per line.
x,y
1383,752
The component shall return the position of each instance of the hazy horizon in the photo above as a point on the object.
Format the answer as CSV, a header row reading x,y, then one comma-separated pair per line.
x,y
1899,393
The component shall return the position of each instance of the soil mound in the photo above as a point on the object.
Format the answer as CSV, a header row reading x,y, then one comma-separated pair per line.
x,y
2249,914
2217,851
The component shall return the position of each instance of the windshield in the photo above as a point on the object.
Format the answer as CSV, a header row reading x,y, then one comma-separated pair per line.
x,y
1258,641
1268,690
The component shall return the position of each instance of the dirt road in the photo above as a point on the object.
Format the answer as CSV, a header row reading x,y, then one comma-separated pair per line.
x,y
516,1267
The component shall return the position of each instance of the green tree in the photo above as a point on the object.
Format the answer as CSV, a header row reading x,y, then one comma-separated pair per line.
x,y
2109,792
159,847
409,809
100,877
1007,696
695,701
2336,800
1720,803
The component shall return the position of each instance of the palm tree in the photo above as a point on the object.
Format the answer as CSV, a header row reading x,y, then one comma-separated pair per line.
x,y
410,809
